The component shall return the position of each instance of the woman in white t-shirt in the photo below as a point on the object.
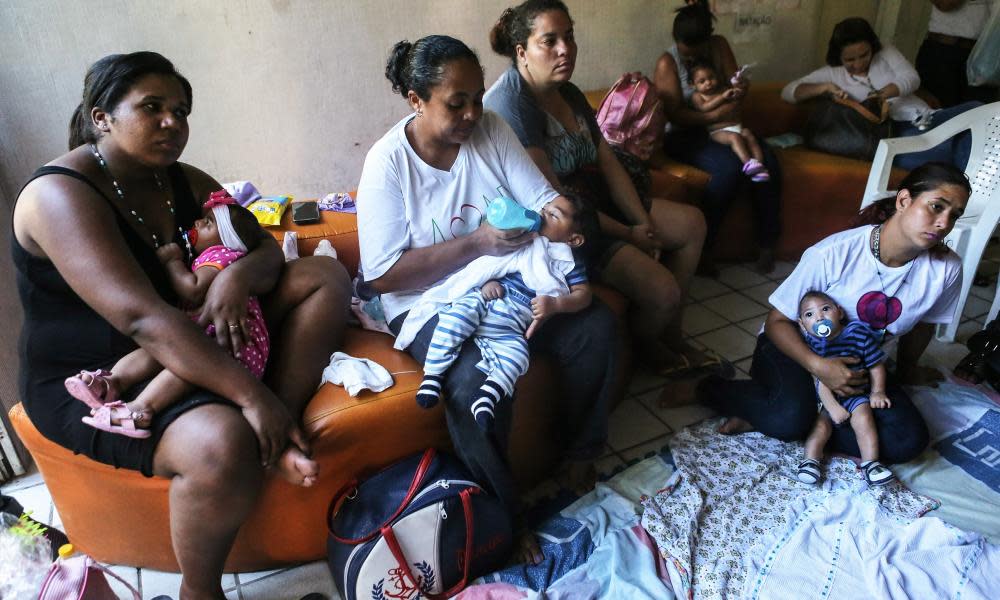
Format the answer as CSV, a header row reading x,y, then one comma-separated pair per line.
x,y
897,277
859,66
421,203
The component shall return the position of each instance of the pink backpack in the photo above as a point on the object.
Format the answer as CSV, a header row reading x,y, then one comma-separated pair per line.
x,y
631,117
80,577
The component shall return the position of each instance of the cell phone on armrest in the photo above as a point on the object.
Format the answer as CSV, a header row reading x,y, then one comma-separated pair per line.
x,y
305,212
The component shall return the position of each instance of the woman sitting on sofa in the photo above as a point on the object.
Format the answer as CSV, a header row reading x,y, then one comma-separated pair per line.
x,y
688,140
895,275
421,201
556,125
86,229
859,66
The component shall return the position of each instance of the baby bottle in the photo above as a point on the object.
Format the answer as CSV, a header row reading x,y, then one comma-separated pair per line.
x,y
506,214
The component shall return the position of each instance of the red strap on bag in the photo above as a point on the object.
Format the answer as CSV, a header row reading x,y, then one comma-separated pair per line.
x,y
397,552
342,494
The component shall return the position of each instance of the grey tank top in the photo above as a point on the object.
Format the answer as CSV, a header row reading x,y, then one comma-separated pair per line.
x,y
682,73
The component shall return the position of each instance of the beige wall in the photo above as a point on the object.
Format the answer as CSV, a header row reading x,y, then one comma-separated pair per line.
x,y
290,93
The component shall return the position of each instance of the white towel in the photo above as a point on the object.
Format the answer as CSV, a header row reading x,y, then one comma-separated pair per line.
x,y
356,374
543,266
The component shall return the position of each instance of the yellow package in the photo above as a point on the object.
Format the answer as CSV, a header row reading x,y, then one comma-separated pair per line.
x,y
269,209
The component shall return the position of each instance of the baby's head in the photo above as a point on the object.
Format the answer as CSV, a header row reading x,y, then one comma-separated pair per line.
x,y
569,219
241,222
702,75
820,316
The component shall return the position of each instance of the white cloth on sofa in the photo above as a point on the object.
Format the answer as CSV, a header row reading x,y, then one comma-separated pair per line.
x,y
356,374
543,266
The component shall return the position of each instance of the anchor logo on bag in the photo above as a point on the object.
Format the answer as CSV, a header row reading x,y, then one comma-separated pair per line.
x,y
404,588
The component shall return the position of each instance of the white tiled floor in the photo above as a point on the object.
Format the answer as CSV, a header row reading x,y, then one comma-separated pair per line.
x,y
724,316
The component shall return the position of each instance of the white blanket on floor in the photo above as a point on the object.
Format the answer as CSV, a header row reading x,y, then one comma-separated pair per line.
x,y
849,547
729,493
543,266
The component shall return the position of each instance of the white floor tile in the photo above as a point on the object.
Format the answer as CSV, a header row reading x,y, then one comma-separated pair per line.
x,y
744,365
129,574
697,320
782,269
35,499
752,325
975,307
643,380
703,287
739,277
645,449
24,481
155,583
683,416
292,584
967,329
762,292
731,343
735,307
985,292
245,578
632,424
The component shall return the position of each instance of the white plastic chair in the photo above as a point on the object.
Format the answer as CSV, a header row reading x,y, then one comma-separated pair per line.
x,y
973,230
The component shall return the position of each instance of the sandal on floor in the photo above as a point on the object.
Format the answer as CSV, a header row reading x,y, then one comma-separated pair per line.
x,y
103,416
92,388
685,366
876,473
809,471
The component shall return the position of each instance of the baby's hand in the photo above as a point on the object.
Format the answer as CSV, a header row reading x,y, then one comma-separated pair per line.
x,y
543,307
839,416
879,400
731,94
169,252
492,290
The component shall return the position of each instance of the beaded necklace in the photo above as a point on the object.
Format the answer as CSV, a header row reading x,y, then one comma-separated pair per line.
x,y
121,197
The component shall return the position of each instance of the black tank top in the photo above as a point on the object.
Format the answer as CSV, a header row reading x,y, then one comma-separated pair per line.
x,y
61,334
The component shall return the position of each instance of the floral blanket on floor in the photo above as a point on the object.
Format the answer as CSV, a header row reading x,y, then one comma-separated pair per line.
x,y
725,517
728,496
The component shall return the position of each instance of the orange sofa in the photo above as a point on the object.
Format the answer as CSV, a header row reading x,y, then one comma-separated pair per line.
x,y
121,517
821,192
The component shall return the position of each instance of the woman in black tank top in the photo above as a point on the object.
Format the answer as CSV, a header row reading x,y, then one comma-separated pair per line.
x,y
86,229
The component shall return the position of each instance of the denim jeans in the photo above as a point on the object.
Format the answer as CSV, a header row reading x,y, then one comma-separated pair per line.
x,y
582,345
955,150
780,401
695,147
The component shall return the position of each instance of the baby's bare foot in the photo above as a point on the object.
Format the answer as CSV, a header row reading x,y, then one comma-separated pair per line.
x,y
734,425
297,468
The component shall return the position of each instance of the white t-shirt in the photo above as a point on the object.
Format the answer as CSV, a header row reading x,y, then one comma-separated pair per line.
x,y
925,290
405,203
966,21
887,66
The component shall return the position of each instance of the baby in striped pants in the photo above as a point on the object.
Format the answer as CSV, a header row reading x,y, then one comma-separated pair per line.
x,y
503,314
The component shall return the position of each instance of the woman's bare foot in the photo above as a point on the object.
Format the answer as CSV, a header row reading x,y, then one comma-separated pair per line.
x,y
528,551
734,425
580,476
297,468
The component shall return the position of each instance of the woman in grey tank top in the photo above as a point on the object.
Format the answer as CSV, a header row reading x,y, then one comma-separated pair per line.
x,y
687,140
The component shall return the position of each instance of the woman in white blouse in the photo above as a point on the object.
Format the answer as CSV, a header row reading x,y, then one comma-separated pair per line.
x,y
859,66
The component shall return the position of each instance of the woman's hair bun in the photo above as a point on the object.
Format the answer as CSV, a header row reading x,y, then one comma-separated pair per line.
x,y
395,67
